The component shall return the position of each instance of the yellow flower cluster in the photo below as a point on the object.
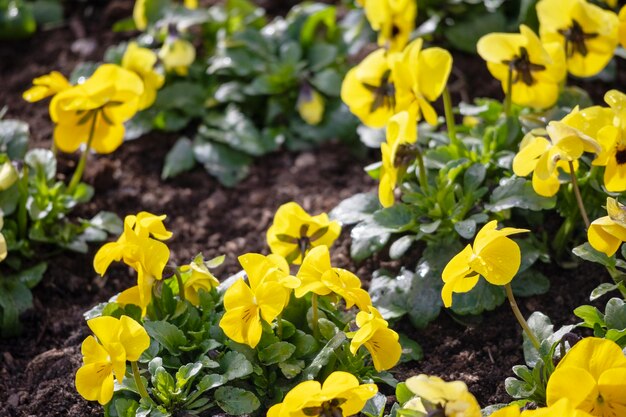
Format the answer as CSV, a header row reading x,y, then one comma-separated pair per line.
x,y
436,397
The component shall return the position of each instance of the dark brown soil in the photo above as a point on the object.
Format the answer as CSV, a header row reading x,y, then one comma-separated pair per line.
x,y
37,369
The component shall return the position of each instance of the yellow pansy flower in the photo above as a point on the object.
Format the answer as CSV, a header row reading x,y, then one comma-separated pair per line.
x,y
420,76
46,86
141,61
536,69
177,55
394,20
612,138
587,32
396,155
139,14
368,89
562,408
441,398
146,224
340,395
99,106
191,4
294,232
310,105
8,175
592,376
198,277
607,233
622,27
493,255
118,340
318,276
380,341
3,242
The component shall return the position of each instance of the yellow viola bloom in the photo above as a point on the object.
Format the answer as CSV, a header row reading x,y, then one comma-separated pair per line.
x,y
368,89
8,175
420,76
177,55
449,399
493,255
394,20
562,408
536,69
146,224
141,61
607,233
592,376
380,341
310,105
612,138
198,277
319,277
118,340
3,242
622,27
586,32
340,395
294,232
396,155
100,105
46,86
191,4
139,15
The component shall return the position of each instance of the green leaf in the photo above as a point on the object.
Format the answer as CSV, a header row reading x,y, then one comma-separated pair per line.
x,y
42,161
483,297
474,177
603,289
411,350
15,298
615,314
375,406
226,164
397,218
186,373
234,365
276,353
590,316
179,159
466,228
183,96
47,12
464,35
403,393
399,247
107,221
328,82
368,237
588,253
33,275
323,356
14,137
325,16
354,209
322,55
211,381
236,401
167,334
530,283
518,193
291,368
542,328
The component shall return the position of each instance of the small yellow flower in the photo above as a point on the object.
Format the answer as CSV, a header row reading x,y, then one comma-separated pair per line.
x,y
3,243
340,395
536,69
612,138
587,32
607,233
141,61
8,175
435,396
100,105
177,55
310,105
368,89
562,408
380,341
622,27
139,15
420,76
119,340
46,86
191,4
199,278
592,376
493,255
396,155
394,20
294,232
318,276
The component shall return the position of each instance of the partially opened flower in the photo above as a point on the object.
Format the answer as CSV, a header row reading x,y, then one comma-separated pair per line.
x,y
118,341
340,395
587,32
141,61
368,89
607,233
436,397
534,69
592,376
8,175
294,232
394,20
3,242
198,278
46,86
310,105
376,336
177,55
420,76
493,255
612,138
94,112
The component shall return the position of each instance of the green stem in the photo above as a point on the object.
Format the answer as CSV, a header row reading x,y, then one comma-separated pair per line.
x,y
80,168
140,387
520,317
509,93
181,285
423,179
22,213
447,107
316,327
579,199
279,328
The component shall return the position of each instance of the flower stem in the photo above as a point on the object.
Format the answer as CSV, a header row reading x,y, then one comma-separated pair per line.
x,y
579,199
80,168
316,328
181,285
520,317
423,179
279,326
22,211
140,387
509,93
447,107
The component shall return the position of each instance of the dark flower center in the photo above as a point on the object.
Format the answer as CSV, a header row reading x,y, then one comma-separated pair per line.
x,y
404,155
302,242
620,156
522,67
383,94
327,409
575,38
